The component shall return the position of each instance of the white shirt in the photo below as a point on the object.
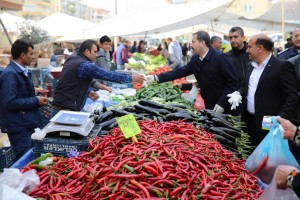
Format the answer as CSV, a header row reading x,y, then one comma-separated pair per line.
x,y
253,82
203,56
24,69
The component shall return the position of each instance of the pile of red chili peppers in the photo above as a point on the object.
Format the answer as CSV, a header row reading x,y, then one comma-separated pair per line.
x,y
171,160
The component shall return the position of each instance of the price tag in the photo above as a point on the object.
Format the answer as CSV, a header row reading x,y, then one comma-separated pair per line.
x,y
266,123
129,126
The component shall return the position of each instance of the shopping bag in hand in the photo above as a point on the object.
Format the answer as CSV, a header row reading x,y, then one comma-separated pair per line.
x,y
199,103
272,193
270,153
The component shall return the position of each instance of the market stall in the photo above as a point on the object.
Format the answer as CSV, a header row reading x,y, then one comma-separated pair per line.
x,y
171,152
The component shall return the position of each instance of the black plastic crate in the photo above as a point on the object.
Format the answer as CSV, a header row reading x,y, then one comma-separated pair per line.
x,y
7,157
64,145
37,154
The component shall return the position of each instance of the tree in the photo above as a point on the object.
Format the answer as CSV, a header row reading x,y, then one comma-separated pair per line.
x,y
32,33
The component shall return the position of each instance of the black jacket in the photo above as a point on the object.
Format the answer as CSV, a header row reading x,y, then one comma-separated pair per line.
x,y
216,76
71,91
240,60
288,53
276,92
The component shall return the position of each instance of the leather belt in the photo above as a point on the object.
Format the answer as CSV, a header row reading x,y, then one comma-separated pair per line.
x,y
59,108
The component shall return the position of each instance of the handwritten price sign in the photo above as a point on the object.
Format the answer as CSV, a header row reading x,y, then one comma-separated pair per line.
x,y
129,126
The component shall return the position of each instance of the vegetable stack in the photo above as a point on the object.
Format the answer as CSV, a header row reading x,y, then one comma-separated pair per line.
x,y
171,160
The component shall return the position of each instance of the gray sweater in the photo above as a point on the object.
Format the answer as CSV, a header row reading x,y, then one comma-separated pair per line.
x,y
103,60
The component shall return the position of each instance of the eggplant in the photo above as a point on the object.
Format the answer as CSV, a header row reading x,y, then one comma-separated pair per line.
x,y
226,124
112,125
105,124
160,119
217,131
176,116
152,104
129,109
105,116
230,131
119,112
162,111
223,140
148,110
177,106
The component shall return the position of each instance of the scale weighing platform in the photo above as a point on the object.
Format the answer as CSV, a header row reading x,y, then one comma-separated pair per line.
x,y
69,124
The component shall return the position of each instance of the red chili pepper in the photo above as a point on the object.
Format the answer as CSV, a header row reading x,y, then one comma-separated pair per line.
x,y
145,191
261,166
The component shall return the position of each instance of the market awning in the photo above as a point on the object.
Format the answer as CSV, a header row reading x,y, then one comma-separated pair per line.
x,y
59,24
163,19
11,22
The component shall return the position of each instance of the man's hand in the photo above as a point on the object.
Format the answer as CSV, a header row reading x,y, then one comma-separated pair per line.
x,y
93,95
179,85
104,87
281,173
42,100
149,79
138,78
288,127
235,99
218,109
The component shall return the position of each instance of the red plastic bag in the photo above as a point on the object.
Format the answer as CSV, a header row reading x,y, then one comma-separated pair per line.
x,y
199,103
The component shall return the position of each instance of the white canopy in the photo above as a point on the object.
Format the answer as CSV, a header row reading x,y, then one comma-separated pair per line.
x,y
59,24
11,22
163,19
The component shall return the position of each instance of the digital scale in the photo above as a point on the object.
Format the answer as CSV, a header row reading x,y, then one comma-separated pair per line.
x,y
69,124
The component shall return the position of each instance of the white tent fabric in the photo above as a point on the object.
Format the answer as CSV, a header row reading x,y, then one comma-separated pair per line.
x,y
271,21
291,12
163,19
264,26
11,22
59,24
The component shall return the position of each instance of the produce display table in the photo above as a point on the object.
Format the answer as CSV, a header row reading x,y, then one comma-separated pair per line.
x,y
26,158
32,154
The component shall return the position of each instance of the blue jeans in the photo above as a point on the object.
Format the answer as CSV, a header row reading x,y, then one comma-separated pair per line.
x,y
21,142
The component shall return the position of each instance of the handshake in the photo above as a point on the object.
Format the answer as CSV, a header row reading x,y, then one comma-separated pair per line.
x,y
143,78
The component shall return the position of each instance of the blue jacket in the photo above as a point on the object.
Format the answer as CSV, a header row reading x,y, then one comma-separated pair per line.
x,y
216,76
288,53
19,107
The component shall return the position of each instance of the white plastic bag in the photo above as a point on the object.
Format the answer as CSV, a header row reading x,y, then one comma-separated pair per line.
x,y
192,95
272,193
9,193
18,181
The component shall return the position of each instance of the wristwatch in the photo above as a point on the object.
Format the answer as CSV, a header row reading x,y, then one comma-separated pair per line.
x,y
296,138
291,176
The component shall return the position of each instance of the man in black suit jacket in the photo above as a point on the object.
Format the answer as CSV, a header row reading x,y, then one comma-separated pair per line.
x,y
270,87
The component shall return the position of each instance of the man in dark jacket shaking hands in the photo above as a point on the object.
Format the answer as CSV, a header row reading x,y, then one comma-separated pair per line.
x,y
214,71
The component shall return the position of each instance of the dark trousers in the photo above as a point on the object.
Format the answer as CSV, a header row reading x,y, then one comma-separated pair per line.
x,y
256,133
21,142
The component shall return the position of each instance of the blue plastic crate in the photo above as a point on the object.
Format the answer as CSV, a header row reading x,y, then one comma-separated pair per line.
x,y
63,145
7,157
